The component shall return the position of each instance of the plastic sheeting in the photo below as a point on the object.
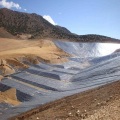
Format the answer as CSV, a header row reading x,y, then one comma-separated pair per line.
x,y
45,82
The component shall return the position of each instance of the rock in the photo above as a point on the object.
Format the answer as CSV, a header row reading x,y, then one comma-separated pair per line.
x,y
95,99
67,119
111,97
104,102
72,107
108,100
78,113
70,114
82,116
98,104
85,110
37,118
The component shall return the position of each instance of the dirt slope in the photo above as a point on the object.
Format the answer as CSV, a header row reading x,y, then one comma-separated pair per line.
x,y
18,54
102,103
1,77
9,96
5,34
108,112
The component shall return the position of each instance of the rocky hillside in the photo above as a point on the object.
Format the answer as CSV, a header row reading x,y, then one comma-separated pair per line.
x,y
63,29
18,23
35,26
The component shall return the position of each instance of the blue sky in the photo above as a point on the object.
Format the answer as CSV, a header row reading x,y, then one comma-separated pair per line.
x,y
79,16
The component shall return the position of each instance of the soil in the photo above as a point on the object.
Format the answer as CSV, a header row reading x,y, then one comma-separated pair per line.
x,y
9,96
1,77
19,54
101,103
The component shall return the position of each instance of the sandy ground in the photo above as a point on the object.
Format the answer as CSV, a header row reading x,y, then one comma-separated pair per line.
x,y
42,48
1,77
14,54
102,103
9,96
108,112
20,54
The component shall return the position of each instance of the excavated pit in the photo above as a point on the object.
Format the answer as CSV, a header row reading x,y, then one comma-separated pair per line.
x,y
43,82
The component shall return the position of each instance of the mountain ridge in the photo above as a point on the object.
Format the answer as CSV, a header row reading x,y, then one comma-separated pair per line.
x,y
18,23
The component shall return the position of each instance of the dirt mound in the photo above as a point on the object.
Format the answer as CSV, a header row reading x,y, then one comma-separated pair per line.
x,y
86,105
9,96
20,54
16,64
5,68
1,77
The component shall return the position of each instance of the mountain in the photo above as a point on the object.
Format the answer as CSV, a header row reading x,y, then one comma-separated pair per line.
x,y
18,23
34,26
63,29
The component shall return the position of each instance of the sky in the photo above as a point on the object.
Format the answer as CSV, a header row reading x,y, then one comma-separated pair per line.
x,y
79,16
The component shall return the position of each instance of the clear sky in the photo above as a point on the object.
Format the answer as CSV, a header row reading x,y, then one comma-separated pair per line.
x,y
79,16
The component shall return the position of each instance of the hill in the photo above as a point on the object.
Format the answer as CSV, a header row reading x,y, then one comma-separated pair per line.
x,y
32,26
18,23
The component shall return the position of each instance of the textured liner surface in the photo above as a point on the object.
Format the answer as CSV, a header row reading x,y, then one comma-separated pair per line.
x,y
34,88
